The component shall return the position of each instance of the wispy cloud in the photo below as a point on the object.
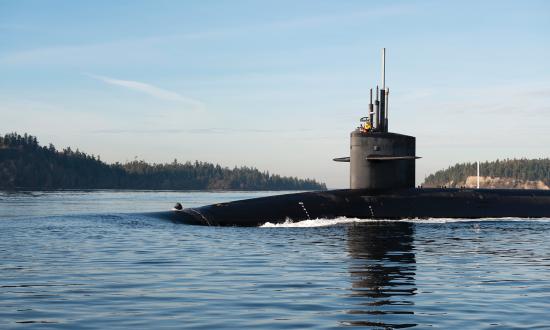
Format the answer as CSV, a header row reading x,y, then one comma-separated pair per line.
x,y
150,90
540,92
503,100
89,51
14,27
210,130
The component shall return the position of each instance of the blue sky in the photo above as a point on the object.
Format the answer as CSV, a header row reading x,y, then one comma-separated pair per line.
x,y
278,85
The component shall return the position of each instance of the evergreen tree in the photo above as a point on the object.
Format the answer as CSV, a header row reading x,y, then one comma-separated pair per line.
x,y
521,169
26,165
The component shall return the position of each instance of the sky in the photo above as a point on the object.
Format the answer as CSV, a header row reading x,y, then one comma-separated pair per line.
x,y
278,85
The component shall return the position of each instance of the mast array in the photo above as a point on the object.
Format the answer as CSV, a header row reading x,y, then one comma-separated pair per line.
x,y
378,112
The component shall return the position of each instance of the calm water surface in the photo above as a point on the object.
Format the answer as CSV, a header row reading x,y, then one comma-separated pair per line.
x,y
99,259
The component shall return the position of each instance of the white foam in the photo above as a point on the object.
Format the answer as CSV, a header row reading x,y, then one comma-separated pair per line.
x,y
451,220
314,222
343,220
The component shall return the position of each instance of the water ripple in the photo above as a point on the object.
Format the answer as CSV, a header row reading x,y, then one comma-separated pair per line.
x,y
125,268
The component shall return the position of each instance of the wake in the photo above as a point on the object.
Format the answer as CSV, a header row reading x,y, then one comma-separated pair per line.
x,y
343,220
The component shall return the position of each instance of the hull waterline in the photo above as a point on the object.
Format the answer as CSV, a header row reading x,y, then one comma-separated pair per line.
x,y
372,204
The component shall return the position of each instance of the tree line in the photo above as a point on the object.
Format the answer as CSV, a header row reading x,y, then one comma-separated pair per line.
x,y
521,169
24,164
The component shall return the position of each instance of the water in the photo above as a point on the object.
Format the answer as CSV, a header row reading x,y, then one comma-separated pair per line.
x,y
99,260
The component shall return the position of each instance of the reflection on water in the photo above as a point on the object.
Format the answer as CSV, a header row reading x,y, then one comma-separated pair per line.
x,y
382,272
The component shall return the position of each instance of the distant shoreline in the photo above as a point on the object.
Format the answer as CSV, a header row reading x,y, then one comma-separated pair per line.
x,y
26,165
502,174
152,190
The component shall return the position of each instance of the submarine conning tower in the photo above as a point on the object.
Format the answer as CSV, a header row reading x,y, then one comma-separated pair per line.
x,y
380,159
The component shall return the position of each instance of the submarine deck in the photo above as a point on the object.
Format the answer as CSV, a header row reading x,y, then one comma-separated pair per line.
x,y
373,204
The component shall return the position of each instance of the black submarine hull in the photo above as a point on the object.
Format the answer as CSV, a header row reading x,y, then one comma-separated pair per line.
x,y
372,204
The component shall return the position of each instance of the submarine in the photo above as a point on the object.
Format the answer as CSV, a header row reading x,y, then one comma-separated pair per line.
x,y
382,186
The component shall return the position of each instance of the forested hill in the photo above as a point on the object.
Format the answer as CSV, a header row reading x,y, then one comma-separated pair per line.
x,y
24,164
526,170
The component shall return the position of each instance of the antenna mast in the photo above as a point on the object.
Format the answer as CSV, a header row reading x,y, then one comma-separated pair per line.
x,y
383,68
383,97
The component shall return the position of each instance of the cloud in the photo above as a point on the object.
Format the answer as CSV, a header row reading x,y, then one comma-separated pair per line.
x,y
105,51
539,92
496,101
151,90
14,27
210,130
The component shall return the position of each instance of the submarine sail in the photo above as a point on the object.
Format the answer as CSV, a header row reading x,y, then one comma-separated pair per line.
x,y
380,159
